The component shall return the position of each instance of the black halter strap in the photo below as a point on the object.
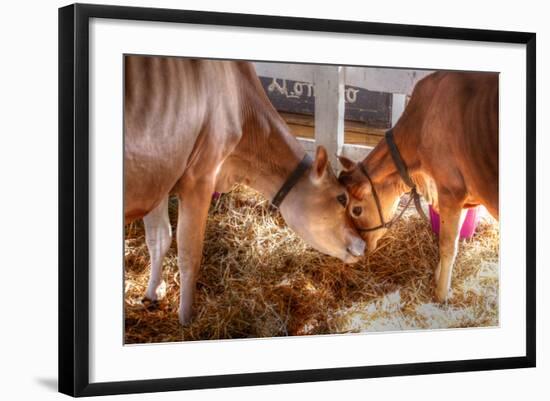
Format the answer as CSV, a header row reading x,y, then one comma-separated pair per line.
x,y
292,179
383,224
398,160
404,173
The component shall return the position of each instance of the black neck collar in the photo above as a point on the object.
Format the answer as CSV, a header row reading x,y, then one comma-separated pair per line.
x,y
292,179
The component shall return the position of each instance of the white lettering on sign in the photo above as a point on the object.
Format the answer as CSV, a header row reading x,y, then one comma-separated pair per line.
x,y
306,89
351,95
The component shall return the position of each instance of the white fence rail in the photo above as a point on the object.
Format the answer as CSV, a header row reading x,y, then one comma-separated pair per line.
x,y
329,82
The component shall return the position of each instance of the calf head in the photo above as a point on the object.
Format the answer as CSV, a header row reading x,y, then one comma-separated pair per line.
x,y
316,210
368,215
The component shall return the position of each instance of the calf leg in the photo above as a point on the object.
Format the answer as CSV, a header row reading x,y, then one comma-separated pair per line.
x,y
158,236
193,211
450,218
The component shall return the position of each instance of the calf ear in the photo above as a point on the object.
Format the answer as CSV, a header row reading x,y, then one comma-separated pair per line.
x,y
320,164
347,164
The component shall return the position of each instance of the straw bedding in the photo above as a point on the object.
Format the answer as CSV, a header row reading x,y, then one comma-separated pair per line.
x,y
258,279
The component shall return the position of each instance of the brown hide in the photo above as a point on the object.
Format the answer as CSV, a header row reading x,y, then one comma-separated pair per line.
x,y
196,126
183,117
448,137
452,125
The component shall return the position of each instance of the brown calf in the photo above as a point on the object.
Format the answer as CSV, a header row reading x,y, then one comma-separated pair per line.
x,y
193,127
448,139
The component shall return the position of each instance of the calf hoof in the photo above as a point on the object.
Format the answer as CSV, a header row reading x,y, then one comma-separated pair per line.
x,y
155,294
150,303
441,295
185,317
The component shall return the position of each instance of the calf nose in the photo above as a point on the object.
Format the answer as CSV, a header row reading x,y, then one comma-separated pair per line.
x,y
357,247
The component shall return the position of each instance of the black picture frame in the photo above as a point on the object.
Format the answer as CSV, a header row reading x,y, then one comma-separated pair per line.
x,y
74,198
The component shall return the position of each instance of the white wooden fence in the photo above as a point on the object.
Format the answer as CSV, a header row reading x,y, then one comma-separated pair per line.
x,y
329,82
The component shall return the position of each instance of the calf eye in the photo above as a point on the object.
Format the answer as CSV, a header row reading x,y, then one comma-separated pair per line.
x,y
342,199
356,211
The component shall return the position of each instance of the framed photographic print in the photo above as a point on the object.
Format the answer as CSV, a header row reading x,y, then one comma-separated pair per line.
x,y
251,199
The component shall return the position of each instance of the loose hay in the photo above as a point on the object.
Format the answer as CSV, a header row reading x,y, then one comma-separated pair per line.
x,y
258,279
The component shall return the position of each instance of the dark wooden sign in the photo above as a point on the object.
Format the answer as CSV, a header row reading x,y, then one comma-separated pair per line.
x,y
372,108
